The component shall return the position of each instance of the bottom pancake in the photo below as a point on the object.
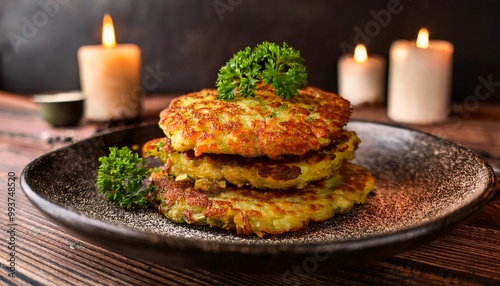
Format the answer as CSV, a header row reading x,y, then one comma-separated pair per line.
x,y
249,211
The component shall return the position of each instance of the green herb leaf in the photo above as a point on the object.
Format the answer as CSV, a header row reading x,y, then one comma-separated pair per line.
x,y
280,66
120,178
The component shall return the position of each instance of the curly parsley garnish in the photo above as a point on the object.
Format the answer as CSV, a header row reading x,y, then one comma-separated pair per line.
x,y
280,66
120,178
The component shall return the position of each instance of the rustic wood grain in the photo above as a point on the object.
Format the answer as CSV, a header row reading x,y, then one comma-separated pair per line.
x,y
48,255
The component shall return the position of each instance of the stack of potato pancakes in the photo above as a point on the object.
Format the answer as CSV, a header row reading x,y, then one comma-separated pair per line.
x,y
261,164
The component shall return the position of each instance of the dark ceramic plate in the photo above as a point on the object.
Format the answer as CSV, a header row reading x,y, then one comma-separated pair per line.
x,y
424,186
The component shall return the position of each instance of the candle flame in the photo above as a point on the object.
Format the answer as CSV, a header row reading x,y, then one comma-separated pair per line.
x,y
360,54
108,32
423,38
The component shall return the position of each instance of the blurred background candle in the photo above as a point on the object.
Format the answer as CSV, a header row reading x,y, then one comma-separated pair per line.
x,y
361,77
420,75
110,77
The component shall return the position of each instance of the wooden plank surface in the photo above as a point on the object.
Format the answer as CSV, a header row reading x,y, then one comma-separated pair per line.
x,y
47,255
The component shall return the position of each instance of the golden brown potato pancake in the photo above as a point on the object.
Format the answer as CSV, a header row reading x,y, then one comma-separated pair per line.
x,y
249,210
212,171
264,125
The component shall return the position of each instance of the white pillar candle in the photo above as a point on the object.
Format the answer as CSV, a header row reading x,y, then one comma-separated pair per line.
x,y
420,80
110,77
361,78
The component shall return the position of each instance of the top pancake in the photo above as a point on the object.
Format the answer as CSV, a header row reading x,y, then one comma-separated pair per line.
x,y
264,125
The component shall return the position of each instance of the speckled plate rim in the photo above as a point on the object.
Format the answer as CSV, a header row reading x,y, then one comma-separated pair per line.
x,y
139,244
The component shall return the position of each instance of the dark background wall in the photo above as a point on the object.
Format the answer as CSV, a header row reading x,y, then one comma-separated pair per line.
x,y
191,39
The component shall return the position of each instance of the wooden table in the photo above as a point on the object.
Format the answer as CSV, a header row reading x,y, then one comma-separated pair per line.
x,y
46,255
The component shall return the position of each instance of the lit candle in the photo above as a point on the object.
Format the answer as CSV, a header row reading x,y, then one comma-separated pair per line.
x,y
420,80
361,78
110,77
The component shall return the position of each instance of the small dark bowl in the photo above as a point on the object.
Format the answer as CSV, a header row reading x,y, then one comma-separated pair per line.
x,y
61,109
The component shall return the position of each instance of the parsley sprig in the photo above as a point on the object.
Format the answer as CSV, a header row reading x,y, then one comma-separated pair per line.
x,y
281,66
120,178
